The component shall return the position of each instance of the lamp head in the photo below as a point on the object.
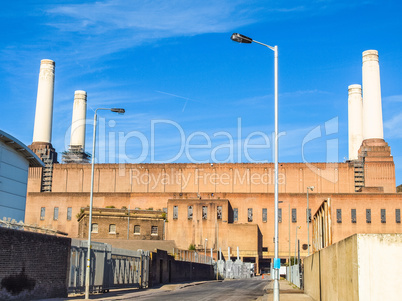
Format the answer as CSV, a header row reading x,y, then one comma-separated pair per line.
x,y
311,188
237,37
118,110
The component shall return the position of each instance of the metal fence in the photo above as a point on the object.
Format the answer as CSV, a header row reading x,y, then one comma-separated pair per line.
x,y
234,270
110,267
226,269
192,256
293,275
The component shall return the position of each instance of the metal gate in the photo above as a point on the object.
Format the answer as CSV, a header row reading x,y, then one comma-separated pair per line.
x,y
110,267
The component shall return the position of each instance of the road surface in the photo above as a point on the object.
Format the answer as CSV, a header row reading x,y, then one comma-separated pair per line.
x,y
229,290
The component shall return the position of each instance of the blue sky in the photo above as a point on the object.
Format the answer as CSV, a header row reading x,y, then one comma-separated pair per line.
x,y
184,83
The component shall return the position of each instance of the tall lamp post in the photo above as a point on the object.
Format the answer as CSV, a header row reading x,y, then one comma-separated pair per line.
x,y
88,268
308,221
297,227
277,262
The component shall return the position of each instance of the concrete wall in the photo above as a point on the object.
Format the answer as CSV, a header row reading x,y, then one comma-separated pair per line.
x,y
33,265
165,269
360,267
380,266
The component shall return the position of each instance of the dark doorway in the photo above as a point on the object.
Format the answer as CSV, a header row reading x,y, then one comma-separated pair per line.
x,y
265,264
170,271
160,271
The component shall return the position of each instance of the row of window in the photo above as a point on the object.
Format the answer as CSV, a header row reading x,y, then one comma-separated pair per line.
x,y
249,214
55,213
112,229
236,214
265,215
204,212
368,216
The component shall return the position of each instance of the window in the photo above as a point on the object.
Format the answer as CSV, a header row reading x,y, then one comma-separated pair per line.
x,y
112,229
154,230
137,230
279,215
264,215
204,212
368,216
175,212
353,214
294,215
398,216
69,213
42,213
339,215
235,214
250,214
219,212
94,228
383,216
308,215
190,212
56,213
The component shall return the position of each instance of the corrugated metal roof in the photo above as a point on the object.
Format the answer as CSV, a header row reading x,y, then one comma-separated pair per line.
x,y
20,147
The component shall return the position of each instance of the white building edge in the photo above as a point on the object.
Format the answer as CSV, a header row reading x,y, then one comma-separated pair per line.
x,y
15,160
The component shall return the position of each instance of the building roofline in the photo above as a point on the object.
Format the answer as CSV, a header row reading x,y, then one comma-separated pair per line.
x,y
21,148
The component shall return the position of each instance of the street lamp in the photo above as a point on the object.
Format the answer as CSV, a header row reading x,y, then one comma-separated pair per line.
x,y
205,250
308,221
277,262
88,268
297,227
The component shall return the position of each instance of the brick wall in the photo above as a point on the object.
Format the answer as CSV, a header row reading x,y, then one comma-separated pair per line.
x,y
104,217
33,265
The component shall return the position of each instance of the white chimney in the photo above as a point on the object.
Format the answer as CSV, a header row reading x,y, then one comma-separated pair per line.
x,y
44,103
372,109
355,120
78,124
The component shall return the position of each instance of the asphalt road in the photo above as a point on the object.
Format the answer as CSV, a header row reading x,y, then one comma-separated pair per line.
x,y
242,290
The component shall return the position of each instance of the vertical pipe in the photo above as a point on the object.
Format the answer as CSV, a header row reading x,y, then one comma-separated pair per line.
x,y
44,103
128,224
372,108
238,253
295,245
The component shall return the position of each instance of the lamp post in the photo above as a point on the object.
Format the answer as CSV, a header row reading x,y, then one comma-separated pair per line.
x,y
277,262
297,227
308,221
290,266
88,268
205,250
